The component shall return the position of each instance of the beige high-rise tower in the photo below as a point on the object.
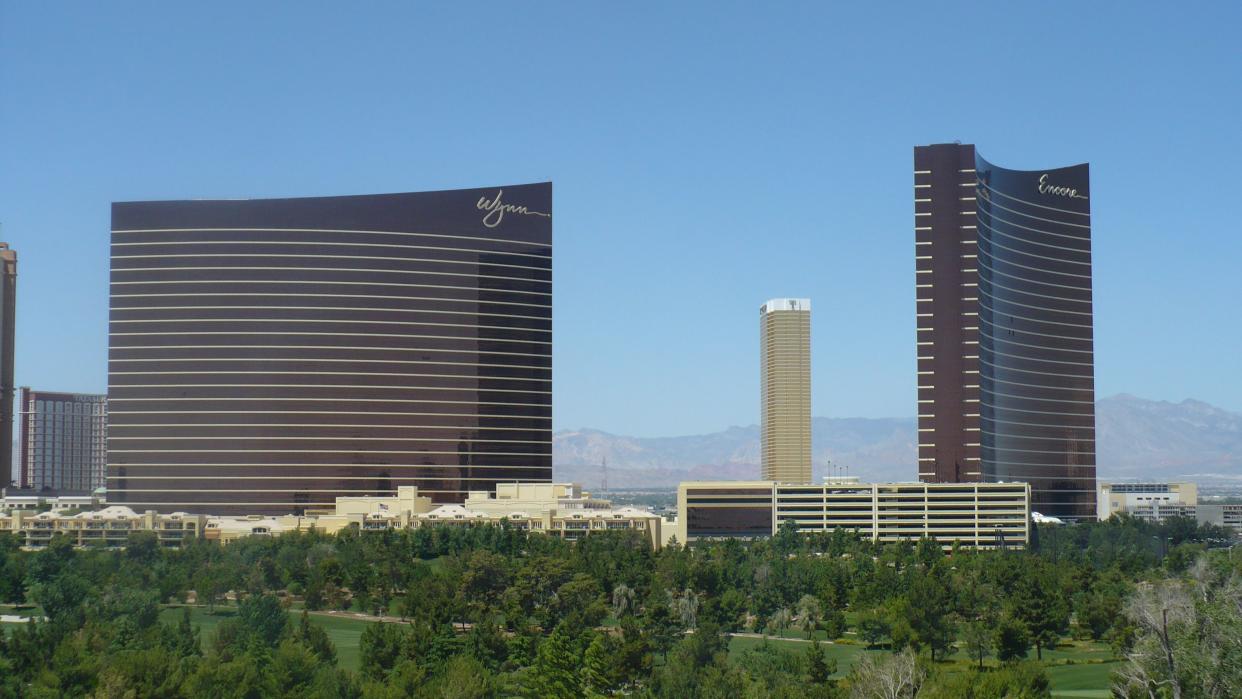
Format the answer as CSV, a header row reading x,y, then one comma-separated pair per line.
x,y
785,387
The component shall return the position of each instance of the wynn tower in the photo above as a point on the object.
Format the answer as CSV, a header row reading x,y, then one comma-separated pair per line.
x,y
268,356
1004,327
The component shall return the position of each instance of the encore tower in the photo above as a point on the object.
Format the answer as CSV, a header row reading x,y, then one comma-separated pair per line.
x,y
267,356
1005,346
785,385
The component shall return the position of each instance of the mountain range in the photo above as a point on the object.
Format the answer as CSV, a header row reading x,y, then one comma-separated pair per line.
x,y
1136,438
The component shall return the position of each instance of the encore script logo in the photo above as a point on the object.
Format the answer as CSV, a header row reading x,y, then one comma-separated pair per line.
x,y
497,209
1045,188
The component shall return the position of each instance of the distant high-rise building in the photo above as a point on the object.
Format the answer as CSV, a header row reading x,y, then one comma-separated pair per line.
x,y
1006,388
785,387
64,440
8,314
269,356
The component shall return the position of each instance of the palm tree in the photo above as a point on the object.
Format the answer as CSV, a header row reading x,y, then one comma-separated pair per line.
x,y
622,599
809,614
779,622
685,607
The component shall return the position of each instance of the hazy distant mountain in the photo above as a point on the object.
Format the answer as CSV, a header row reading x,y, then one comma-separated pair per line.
x,y
880,449
1140,438
1137,439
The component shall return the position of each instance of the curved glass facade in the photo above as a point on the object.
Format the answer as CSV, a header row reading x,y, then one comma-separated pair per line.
x,y
1036,359
1004,337
271,355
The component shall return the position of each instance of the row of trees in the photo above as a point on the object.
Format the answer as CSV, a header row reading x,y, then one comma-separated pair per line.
x,y
496,611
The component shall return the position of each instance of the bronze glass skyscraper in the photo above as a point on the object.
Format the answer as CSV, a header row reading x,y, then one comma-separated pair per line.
x,y
271,355
8,345
1005,344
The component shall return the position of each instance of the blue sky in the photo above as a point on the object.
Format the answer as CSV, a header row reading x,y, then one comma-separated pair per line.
x,y
706,157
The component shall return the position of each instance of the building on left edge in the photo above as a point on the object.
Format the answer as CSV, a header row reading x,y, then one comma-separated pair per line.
x,y
8,344
64,441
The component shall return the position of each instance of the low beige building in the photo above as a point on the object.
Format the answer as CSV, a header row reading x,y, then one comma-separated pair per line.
x,y
109,527
1221,514
31,499
558,509
407,499
1156,501
1153,501
564,510
976,515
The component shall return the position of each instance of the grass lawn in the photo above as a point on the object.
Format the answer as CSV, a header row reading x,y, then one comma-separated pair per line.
x,y
22,610
845,655
1086,680
344,633
1087,677
1067,652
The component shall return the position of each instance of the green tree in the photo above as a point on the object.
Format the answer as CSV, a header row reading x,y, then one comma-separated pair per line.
x,y
406,679
873,627
153,672
787,539
557,664
486,644
634,656
601,673
924,615
731,609
48,564
977,637
239,678
1038,600
293,669
833,623
381,646
184,639
483,580
1024,680
697,667
12,576
819,667
1013,641
772,667
580,601
263,618
463,677
661,627
63,599
314,637
1095,612
210,582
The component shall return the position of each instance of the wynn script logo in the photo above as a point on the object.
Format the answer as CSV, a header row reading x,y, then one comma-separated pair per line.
x,y
1045,188
496,210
